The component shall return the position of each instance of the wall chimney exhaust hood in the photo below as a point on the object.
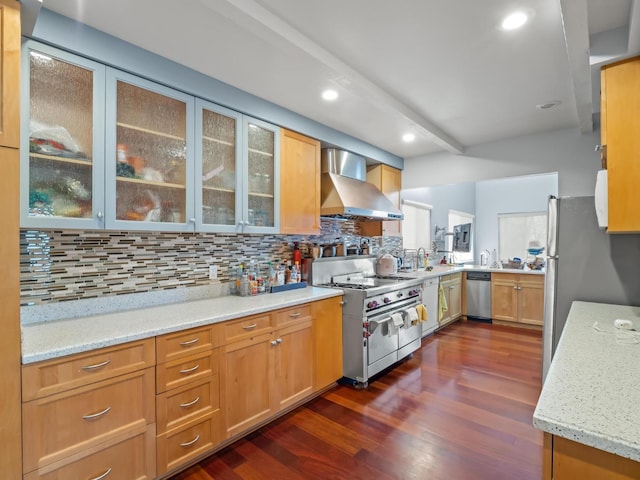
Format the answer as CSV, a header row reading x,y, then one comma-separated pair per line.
x,y
346,193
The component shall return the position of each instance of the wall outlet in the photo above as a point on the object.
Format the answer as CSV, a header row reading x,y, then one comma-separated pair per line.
x,y
213,272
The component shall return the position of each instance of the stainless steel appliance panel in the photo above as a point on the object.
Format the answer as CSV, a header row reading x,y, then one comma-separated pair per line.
x,y
591,266
478,295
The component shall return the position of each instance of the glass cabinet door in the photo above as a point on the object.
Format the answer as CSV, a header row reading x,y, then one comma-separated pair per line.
x,y
261,179
218,168
62,141
149,162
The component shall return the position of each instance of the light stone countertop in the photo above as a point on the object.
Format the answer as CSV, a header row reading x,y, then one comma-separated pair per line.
x,y
47,340
592,391
439,270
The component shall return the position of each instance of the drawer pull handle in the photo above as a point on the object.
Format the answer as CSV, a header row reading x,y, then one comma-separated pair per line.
x,y
97,365
189,370
104,475
188,444
250,327
189,404
97,415
295,315
189,342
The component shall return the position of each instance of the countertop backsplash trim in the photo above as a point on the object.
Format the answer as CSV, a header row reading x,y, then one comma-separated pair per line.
x,y
65,265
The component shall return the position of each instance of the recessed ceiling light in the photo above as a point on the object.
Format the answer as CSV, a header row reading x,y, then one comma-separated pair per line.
x,y
514,20
408,137
330,95
548,105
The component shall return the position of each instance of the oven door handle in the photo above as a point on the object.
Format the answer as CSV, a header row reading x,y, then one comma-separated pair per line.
x,y
374,324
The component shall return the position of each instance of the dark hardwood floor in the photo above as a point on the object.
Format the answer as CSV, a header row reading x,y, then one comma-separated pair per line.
x,y
460,408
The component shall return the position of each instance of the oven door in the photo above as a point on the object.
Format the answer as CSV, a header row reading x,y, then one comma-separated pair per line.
x,y
382,346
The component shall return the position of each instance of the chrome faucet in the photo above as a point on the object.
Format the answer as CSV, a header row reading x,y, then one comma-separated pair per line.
x,y
484,257
421,257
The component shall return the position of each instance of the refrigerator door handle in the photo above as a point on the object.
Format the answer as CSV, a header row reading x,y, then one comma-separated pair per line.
x,y
548,325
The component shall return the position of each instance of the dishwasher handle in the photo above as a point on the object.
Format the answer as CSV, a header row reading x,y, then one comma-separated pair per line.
x,y
479,276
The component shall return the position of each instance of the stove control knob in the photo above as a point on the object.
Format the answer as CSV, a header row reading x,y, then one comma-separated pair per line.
x,y
386,300
372,304
400,294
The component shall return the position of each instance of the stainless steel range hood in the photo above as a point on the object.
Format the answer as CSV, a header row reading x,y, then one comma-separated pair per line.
x,y
345,192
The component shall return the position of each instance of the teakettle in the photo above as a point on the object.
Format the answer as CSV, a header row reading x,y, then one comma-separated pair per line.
x,y
387,265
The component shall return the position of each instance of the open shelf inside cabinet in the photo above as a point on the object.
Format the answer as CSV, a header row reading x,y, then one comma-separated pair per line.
x,y
150,132
150,182
55,158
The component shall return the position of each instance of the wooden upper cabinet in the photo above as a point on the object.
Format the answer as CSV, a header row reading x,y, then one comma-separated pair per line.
x,y
10,73
299,184
389,181
620,123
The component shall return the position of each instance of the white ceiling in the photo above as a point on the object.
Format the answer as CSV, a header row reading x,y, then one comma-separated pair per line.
x,y
441,69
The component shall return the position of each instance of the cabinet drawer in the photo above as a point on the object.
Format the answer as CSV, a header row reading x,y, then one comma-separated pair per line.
x,y
181,405
189,342
288,316
55,376
185,370
178,447
133,458
61,425
247,327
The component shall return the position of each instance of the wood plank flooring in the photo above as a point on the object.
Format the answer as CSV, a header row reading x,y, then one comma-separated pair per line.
x,y
460,408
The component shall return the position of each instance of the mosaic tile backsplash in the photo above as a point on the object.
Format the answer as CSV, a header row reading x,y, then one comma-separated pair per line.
x,y
64,265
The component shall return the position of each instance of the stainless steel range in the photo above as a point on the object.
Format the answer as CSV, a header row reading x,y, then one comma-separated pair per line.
x,y
376,328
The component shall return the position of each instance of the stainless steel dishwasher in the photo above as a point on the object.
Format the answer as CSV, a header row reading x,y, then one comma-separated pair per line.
x,y
479,296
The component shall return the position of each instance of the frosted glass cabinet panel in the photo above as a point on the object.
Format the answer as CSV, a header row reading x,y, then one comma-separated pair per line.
x,y
262,176
149,160
62,139
218,168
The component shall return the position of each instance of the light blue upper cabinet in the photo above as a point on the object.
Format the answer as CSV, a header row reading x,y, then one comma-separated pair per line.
x,y
261,177
62,139
237,165
149,159
218,168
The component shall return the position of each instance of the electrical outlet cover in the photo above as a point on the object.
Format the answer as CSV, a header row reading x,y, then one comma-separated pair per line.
x,y
213,272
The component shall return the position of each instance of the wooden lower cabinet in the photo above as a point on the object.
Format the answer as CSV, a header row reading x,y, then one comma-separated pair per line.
x,y
188,416
327,337
247,375
517,298
132,458
570,460
111,413
452,288
293,368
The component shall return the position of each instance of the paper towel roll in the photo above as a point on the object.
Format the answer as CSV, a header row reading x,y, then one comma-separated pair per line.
x,y
601,199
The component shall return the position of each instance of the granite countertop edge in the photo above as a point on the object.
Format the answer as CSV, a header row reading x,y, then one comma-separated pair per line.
x,y
53,339
589,395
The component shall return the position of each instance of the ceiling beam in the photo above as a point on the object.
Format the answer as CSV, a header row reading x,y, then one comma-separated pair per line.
x,y
575,22
250,14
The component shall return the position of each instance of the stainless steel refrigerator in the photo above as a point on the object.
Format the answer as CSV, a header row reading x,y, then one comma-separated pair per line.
x,y
584,263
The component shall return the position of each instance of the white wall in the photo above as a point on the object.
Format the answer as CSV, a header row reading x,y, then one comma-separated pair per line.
x,y
509,195
567,152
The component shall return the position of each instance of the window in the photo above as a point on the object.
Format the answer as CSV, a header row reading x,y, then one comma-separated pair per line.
x,y
517,230
456,219
416,225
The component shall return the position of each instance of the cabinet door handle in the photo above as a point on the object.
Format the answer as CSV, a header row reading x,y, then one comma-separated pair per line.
x,y
295,315
104,475
100,216
189,342
188,444
250,327
274,343
191,403
97,365
278,341
189,370
97,415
